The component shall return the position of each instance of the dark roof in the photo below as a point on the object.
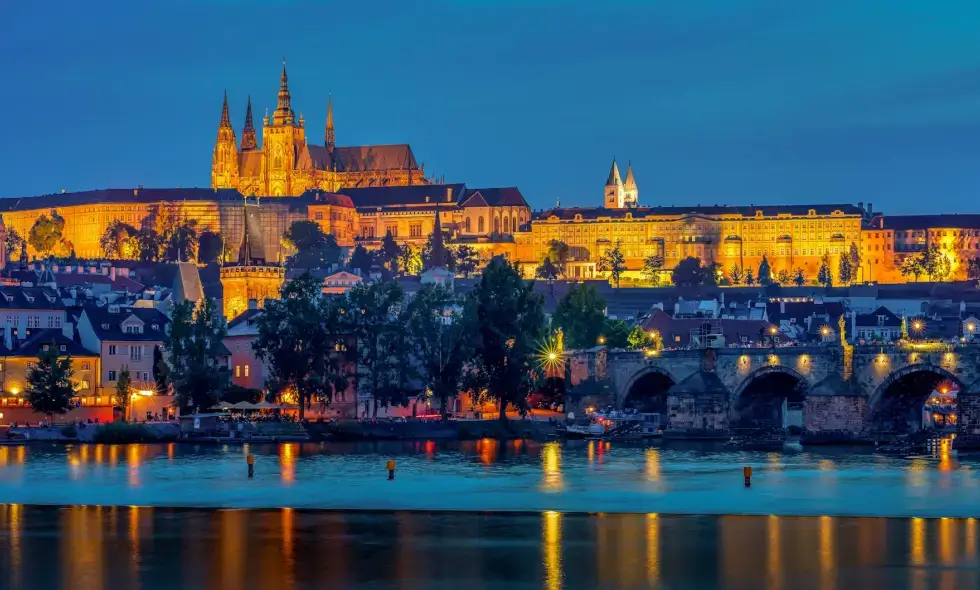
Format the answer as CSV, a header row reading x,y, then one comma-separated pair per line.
x,y
908,222
323,198
357,158
34,345
99,316
715,210
497,197
119,195
802,310
870,320
416,194
733,329
29,298
246,316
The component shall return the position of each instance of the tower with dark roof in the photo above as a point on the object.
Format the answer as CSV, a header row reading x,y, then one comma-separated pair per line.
x,y
224,162
631,194
253,278
249,142
615,196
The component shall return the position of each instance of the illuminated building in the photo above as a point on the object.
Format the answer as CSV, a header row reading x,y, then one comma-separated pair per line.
x,y
889,239
253,278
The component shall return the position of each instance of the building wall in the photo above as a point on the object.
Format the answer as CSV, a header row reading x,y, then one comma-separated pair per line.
x,y
243,284
13,374
118,356
242,356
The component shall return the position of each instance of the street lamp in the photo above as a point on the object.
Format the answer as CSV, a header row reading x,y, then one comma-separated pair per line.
x,y
602,340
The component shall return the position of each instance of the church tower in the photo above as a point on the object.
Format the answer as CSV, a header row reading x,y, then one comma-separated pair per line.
x,y
253,278
224,162
614,188
631,194
249,142
329,139
279,143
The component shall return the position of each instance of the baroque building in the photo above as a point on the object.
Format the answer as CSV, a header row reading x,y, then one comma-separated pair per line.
x,y
282,163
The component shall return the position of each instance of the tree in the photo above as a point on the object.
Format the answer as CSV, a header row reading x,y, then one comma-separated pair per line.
x,y
388,256
613,262
616,333
799,277
123,395
174,236
440,331
311,248
361,260
194,355
119,241
973,269
765,273
824,276
652,268
46,232
749,277
467,260
558,253
690,273
844,270
14,245
547,270
150,244
298,338
735,274
581,315
381,347
449,262
854,253
509,328
49,388
209,247
410,260
639,338
784,277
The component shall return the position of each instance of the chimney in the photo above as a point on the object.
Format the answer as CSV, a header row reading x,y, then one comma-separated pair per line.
x,y
8,337
870,208
782,306
112,273
861,206
253,303
449,194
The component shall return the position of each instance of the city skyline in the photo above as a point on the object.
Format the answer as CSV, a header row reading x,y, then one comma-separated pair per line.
x,y
762,104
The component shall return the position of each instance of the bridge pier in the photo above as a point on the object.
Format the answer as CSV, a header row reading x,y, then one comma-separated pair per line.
x,y
698,408
968,425
834,412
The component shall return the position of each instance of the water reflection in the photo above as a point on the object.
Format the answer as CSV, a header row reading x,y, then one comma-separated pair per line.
x,y
92,548
551,465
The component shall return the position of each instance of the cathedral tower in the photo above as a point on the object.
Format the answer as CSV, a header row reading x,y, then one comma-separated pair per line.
x,y
614,188
280,141
224,162
253,278
249,143
631,194
329,140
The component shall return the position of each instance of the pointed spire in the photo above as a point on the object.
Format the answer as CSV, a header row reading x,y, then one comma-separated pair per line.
x,y
614,178
630,179
226,133
249,141
284,112
437,257
225,117
329,139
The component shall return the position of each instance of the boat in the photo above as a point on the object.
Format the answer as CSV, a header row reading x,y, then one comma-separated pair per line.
x,y
629,425
580,431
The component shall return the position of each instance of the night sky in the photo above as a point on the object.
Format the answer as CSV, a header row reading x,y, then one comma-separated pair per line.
x,y
720,101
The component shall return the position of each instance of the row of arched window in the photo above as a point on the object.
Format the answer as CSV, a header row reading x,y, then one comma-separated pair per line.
x,y
509,224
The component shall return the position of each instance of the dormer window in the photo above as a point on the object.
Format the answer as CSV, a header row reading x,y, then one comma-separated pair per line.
x,y
154,326
45,347
881,320
134,329
105,326
63,348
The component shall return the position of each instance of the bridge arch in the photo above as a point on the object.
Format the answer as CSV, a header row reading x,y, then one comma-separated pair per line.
x,y
896,404
646,391
757,401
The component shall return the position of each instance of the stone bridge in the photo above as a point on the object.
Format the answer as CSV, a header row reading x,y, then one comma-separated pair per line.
x,y
833,393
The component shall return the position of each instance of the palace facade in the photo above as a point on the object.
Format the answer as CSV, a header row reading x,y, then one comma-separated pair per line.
x,y
282,163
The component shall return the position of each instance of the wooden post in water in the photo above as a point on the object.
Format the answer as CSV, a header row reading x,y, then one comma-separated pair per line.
x,y
391,470
250,459
747,472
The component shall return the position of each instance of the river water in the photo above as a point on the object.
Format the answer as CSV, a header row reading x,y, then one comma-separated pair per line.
x,y
484,514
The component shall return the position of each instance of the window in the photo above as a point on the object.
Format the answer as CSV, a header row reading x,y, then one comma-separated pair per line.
x,y
45,347
31,365
238,347
318,216
33,321
415,230
83,384
50,321
479,225
112,349
506,225
145,376
112,375
246,370
238,370
136,353
86,366
466,225
134,329
62,348
104,326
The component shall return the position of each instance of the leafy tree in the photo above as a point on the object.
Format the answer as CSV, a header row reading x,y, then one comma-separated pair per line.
x,y
735,274
639,338
749,277
15,245
616,333
467,260
297,337
799,277
510,324
123,395
825,276
559,254
49,388
854,253
547,270
388,256
175,236
311,247
765,273
410,260
194,350
652,268
581,315
690,273
440,334
613,262
449,263
844,270
361,260
209,247
46,233
119,241
910,266
784,277
973,269
381,347
150,244
161,372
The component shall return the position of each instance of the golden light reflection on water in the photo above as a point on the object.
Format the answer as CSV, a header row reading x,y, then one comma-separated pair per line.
x,y
653,550
15,520
828,553
134,459
653,464
774,558
590,450
288,557
134,547
82,564
233,549
551,465
917,552
488,447
287,461
970,540
551,549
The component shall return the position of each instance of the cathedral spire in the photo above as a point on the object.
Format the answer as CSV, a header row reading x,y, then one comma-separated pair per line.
x,y
630,179
284,112
225,117
248,133
614,178
328,136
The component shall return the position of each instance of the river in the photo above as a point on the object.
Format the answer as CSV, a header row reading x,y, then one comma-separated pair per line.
x,y
483,514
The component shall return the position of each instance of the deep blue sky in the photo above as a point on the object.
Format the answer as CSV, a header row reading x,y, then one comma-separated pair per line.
x,y
714,101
